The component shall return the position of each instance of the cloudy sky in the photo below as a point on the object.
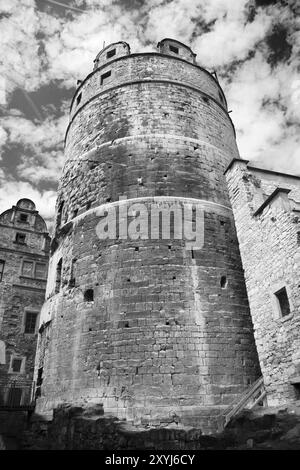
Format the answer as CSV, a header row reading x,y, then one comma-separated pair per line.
x,y
46,45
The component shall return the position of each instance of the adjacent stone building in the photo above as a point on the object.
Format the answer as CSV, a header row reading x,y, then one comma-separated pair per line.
x,y
24,251
266,206
154,331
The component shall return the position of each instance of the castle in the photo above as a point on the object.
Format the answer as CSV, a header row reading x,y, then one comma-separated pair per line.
x,y
158,330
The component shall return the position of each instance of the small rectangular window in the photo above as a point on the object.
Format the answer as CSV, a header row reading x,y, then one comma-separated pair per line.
x,y
111,53
30,322
23,218
105,76
16,365
298,238
2,263
283,302
20,238
40,270
174,49
27,268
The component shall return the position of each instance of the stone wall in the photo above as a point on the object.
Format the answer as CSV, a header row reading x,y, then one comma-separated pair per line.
x,y
167,335
266,209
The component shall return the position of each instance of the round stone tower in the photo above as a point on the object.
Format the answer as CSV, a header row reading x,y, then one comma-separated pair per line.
x,y
157,331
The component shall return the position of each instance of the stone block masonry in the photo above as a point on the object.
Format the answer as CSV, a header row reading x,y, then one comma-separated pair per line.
x,y
154,332
266,208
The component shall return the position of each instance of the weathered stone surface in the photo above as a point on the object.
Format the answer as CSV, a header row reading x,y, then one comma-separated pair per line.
x,y
162,340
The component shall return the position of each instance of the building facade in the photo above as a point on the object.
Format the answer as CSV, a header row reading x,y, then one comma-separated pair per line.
x,y
157,332
24,252
266,206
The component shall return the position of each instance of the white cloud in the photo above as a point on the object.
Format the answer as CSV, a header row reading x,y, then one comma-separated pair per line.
x,y
11,191
37,135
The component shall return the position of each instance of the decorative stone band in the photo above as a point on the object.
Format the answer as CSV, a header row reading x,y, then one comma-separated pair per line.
x,y
208,206
138,82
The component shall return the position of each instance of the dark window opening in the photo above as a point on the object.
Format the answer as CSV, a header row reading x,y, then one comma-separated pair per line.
x,y
136,248
20,238
39,378
298,238
14,396
39,382
58,276
283,302
126,325
89,295
88,205
23,218
78,99
111,53
2,263
30,322
16,365
223,282
174,49
193,254
59,213
73,274
105,76
297,390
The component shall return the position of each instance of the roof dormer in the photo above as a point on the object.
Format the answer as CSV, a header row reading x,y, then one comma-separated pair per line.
x,y
110,52
176,49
